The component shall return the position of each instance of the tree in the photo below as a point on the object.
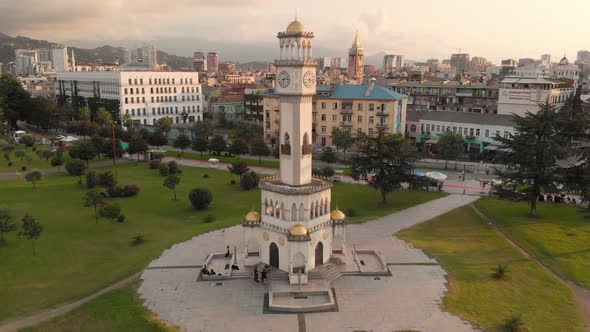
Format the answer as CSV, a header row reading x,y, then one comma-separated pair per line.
x,y
137,145
200,198
171,182
217,144
238,147
182,142
342,139
260,149
204,129
238,168
164,125
84,150
15,101
385,162
450,146
57,161
34,176
328,156
200,144
99,142
6,223
27,140
158,139
76,167
31,230
103,117
128,121
537,145
249,180
94,198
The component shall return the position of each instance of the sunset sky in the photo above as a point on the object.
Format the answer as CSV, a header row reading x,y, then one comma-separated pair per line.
x,y
418,29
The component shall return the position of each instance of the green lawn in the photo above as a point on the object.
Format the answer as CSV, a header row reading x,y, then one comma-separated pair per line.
x,y
468,249
225,159
17,163
118,311
76,256
559,237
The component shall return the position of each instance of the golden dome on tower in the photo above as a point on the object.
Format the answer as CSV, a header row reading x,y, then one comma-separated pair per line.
x,y
295,27
337,215
253,216
298,230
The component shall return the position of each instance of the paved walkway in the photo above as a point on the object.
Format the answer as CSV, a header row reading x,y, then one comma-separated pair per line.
x,y
581,294
408,300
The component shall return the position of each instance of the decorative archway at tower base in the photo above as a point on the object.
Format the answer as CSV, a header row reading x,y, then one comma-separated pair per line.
x,y
273,255
319,254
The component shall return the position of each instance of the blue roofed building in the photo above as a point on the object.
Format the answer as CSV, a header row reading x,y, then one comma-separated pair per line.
x,y
365,108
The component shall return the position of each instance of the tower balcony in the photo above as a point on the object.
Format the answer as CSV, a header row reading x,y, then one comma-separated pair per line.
x,y
382,126
382,113
346,110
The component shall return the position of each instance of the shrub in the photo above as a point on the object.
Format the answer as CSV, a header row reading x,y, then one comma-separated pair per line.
x,y
137,240
317,171
155,164
34,149
127,191
158,156
232,181
9,163
106,179
173,167
131,190
249,180
164,170
515,324
110,211
501,272
121,218
91,180
200,198
209,218
328,171
351,212
205,176
23,168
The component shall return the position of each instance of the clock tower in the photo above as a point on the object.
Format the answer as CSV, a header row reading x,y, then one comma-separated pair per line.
x,y
296,72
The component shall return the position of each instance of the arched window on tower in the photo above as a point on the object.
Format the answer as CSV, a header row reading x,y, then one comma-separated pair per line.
x,y
294,212
286,146
306,147
301,212
311,210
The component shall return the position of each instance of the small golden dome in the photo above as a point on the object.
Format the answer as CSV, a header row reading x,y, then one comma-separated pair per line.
x,y
337,215
252,216
295,27
298,230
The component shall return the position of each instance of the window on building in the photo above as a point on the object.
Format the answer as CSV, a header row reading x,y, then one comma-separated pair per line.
x,y
182,89
144,112
413,128
438,128
497,133
150,81
126,100
470,131
465,131
125,90
487,133
143,99
334,106
359,119
371,120
370,131
323,129
133,112
334,117
130,82
371,107
135,81
477,132
141,81
359,130
142,90
359,106
323,105
323,117
422,128
506,134
153,111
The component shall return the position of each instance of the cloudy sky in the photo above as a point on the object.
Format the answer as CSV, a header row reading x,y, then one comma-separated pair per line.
x,y
494,29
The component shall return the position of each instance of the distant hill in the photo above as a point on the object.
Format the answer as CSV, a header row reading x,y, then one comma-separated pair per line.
x,y
106,53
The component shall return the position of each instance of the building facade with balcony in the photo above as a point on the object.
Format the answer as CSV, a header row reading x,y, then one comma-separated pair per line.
x,y
146,96
447,95
520,95
363,108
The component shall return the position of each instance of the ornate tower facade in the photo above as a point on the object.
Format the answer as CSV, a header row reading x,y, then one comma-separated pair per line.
x,y
356,61
295,231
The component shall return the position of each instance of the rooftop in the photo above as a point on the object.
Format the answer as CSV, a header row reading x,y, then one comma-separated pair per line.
x,y
230,99
365,91
471,118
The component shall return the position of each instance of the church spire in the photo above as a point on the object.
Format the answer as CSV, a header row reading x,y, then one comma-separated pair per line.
x,y
357,42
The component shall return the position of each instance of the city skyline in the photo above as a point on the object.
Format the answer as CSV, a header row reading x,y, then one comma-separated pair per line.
x,y
383,27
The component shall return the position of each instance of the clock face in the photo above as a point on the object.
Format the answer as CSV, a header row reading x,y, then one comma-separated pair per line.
x,y
308,79
284,79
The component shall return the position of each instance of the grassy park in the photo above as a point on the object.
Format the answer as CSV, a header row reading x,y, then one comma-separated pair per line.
x,y
468,249
559,236
35,161
75,256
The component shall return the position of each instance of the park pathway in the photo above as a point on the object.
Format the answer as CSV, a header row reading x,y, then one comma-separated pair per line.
x,y
16,324
581,294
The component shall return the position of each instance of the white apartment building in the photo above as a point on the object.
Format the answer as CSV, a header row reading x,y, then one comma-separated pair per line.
x,y
143,58
145,95
59,59
519,95
25,61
